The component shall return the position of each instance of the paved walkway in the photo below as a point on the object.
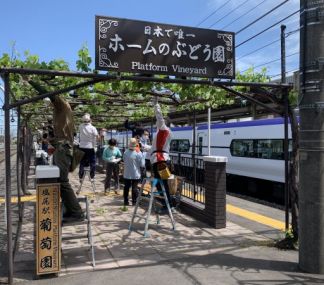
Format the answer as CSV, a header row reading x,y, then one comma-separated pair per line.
x,y
193,254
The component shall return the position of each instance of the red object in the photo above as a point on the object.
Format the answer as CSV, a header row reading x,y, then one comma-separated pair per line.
x,y
160,142
50,150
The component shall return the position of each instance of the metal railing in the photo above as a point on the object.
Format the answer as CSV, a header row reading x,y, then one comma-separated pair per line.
x,y
191,168
185,166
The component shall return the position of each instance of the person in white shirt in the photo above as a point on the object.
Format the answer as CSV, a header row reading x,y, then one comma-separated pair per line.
x,y
144,142
88,143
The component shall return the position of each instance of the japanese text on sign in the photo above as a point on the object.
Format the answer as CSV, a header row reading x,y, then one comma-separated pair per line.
x,y
142,47
48,228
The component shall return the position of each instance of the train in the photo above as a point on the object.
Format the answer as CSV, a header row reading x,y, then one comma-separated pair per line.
x,y
254,149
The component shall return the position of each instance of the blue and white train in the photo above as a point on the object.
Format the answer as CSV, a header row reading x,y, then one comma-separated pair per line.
x,y
254,148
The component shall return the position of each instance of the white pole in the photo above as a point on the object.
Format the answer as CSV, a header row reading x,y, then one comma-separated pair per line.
x,y
209,118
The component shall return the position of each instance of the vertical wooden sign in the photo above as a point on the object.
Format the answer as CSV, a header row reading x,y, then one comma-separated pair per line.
x,y
48,225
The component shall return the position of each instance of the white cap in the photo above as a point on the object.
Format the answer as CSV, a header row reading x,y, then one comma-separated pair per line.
x,y
47,100
86,118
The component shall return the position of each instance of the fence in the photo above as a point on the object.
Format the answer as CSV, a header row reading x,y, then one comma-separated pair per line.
x,y
188,166
191,167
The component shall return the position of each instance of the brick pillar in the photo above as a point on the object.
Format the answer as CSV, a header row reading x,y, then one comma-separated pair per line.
x,y
215,195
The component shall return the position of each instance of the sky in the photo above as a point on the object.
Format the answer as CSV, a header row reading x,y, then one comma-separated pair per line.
x,y
58,29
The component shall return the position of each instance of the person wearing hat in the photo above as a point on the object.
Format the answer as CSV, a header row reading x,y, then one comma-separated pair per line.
x,y
88,142
133,162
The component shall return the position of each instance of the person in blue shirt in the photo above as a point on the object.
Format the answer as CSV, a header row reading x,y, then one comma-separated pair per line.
x,y
133,162
112,156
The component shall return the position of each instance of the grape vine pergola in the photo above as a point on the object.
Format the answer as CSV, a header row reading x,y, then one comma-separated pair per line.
x,y
274,92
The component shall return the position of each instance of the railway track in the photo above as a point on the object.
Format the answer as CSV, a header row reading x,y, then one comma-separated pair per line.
x,y
2,156
2,153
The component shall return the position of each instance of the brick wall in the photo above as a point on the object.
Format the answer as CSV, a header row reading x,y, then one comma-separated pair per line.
x,y
214,212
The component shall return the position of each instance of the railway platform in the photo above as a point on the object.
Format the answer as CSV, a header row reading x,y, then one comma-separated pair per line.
x,y
195,253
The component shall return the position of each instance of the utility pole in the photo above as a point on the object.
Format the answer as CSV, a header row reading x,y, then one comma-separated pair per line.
x,y
286,104
311,109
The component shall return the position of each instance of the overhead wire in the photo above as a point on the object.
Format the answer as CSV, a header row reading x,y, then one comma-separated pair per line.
x,y
269,44
293,22
213,13
254,36
231,11
292,70
272,61
292,32
252,23
241,16
261,17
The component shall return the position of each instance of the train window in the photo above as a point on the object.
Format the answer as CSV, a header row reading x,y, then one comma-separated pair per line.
x,y
180,145
260,148
269,149
242,148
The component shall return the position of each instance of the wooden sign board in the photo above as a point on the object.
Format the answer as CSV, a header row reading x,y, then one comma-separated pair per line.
x,y
48,229
124,45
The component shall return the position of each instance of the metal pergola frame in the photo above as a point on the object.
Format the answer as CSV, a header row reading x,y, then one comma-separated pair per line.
x,y
95,78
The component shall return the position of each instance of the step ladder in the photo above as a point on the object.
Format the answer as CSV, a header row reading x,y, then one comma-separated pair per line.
x,y
87,221
86,173
154,193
